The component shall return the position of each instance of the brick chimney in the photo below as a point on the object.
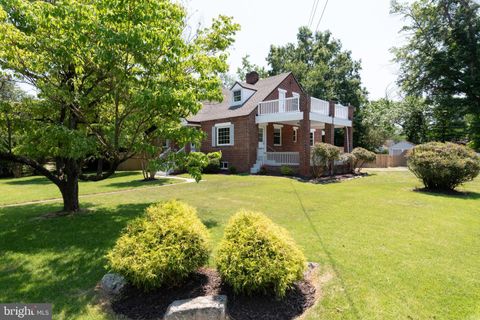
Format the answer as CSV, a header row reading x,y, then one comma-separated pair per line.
x,y
252,77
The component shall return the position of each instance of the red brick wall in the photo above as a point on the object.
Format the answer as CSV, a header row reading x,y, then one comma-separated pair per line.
x,y
242,155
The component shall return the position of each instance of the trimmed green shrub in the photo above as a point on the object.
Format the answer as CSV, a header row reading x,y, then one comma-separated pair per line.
x,y
443,166
362,156
255,255
232,170
348,160
287,171
263,170
323,158
213,162
161,248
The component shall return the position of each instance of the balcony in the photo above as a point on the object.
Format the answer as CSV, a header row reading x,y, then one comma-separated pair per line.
x,y
283,110
279,106
320,112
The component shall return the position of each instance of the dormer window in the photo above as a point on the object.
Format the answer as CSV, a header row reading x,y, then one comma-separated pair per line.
x,y
237,95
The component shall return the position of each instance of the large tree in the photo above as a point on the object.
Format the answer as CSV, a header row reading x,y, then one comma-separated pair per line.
x,y
106,72
441,62
323,68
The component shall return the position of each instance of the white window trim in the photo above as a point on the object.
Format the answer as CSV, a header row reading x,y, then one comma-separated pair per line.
x,y
222,167
295,135
313,137
277,126
233,95
224,125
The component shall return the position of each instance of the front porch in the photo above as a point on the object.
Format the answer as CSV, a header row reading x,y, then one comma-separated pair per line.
x,y
287,130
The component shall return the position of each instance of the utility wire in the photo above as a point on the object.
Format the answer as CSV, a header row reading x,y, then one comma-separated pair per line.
x,y
323,11
313,12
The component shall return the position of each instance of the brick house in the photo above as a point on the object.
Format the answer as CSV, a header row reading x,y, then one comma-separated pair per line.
x,y
270,122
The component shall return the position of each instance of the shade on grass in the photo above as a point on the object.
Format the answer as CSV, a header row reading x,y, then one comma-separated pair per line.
x,y
392,253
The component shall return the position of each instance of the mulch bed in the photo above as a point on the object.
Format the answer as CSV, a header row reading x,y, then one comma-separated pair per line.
x,y
338,178
136,304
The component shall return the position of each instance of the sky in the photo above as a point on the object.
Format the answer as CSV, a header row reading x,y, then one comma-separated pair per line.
x,y
365,27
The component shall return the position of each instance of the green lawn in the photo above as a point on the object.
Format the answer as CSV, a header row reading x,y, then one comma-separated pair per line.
x,y
392,253
38,188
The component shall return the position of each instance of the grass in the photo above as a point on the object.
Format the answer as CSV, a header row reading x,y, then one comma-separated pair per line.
x,y
39,188
393,253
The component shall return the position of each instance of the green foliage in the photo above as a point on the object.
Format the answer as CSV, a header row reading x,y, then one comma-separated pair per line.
x,y
255,255
440,62
287,171
263,170
195,164
213,162
443,166
232,170
362,156
161,248
107,72
323,157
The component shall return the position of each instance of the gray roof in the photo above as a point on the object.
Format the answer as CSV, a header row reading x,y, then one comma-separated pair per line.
x,y
222,110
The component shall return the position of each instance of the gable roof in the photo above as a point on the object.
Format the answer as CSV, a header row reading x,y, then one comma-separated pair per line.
x,y
224,109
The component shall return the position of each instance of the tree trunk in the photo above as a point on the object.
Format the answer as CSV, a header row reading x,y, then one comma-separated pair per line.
x,y
69,187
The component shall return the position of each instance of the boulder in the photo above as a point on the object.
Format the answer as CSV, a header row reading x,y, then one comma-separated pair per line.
x,y
200,308
113,283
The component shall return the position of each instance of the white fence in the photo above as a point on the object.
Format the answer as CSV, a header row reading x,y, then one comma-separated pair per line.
x,y
320,106
279,106
284,158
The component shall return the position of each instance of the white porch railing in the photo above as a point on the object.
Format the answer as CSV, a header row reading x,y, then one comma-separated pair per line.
x,y
279,106
341,111
319,106
284,158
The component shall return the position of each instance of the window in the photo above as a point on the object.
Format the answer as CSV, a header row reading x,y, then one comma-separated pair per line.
x,y
277,135
312,137
295,134
223,136
224,165
237,95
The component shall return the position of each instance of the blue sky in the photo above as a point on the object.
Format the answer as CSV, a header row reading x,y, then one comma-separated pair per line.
x,y
365,27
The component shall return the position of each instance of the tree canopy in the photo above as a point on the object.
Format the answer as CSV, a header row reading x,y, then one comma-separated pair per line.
x,y
441,62
106,72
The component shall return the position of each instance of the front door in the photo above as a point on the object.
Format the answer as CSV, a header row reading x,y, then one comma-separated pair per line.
x,y
261,138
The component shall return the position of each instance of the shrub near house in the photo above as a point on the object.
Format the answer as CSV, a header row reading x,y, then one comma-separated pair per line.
x,y
162,248
443,166
255,256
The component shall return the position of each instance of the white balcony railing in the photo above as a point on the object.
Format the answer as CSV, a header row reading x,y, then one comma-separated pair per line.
x,y
341,111
284,158
320,106
279,106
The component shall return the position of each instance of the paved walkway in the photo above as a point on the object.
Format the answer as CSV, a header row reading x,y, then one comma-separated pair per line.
x,y
184,180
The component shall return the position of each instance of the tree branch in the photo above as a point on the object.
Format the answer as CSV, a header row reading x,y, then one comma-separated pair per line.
x,y
32,163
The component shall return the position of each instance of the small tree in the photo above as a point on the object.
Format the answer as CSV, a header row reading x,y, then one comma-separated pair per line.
x,y
323,158
443,166
105,71
362,156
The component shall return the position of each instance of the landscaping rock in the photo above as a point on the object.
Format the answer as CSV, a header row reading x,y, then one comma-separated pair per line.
x,y
201,308
113,283
311,267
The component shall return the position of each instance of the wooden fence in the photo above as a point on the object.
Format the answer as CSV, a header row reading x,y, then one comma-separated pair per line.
x,y
385,161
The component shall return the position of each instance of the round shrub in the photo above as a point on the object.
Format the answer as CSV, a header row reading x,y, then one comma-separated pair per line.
x,y
443,166
255,255
323,158
362,156
161,248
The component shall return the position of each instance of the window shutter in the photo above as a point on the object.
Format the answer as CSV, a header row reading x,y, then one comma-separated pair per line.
x,y
232,135
214,138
